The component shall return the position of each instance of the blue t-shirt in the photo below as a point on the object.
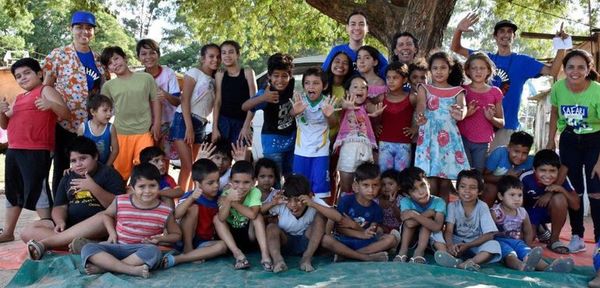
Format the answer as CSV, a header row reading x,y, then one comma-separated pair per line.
x,y
202,200
499,164
435,203
383,63
512,72
533,190
362,215
91,71
103,141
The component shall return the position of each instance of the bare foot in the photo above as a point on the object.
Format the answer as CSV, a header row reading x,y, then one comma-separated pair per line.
x,y
279,267
5,237
595,283
142,271
91,269
306,266
378,257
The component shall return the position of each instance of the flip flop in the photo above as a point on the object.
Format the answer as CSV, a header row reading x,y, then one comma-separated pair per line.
x,y
241,264
401,258
267,266
444,259
34,246
418,260
559,247
167,261
560,265
472,266
533,258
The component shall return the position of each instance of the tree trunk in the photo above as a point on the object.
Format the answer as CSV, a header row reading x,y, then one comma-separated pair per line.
x,y
425,19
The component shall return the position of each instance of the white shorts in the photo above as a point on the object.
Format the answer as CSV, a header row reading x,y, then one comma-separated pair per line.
x,y
353,154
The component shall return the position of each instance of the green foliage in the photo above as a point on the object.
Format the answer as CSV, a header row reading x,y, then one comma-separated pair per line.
x,y
110,33
13,22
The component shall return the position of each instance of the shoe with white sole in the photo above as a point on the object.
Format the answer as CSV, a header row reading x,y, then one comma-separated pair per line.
x,y
576,245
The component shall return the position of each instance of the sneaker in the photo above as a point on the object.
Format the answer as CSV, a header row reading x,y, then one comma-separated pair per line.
x,y
576,245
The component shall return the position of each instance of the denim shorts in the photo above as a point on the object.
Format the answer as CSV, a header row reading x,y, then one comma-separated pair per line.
x,y
177,131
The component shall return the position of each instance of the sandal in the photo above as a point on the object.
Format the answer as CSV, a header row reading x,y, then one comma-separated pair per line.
x,y
559,247
444,259
241,264
418,260
561,265
532,259
401,258
472,266
267,265
543,234
167,261
34,247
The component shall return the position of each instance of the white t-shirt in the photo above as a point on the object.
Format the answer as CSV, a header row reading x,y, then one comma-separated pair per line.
x,y
203,96
292,225
224,179
167,81
312,134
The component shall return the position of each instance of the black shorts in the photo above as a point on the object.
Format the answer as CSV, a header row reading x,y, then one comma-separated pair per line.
x,y
242,239
25,172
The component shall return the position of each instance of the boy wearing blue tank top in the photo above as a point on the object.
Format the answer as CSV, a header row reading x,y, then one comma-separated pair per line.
x,y
100,130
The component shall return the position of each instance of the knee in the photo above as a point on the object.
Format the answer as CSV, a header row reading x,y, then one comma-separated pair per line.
x,y
327,241
559,201
410,224
272,229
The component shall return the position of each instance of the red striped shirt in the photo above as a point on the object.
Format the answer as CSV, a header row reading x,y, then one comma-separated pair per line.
x,y
134,224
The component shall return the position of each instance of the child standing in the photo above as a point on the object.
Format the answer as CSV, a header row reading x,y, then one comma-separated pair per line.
x,y
422,213
100,130
135,224
547,200
30,122
188,128
276,100
197,209
516,233
238,206
356,139
367,64
168,93
396,120
389,200
134,96
364,243
484,109
440,151
470,228
313,112
234,86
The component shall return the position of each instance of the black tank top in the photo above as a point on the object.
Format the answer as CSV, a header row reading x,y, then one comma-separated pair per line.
x,y
234,92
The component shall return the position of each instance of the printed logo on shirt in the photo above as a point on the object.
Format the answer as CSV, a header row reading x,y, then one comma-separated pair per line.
x,y
575,116
91,73
285,120
501,80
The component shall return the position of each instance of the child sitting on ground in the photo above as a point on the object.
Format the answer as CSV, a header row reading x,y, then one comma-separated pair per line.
x,y
470,228
100,130
363,243
132,248
300,224
422,214
516,233
197,212
238,206
389,200
546,199
168,187
266,174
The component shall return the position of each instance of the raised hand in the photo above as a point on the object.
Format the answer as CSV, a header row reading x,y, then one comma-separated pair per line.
x,y
238,151
196,194
328,107
299,105
456,111
466,23
379,107
348,102
206,150
561,32
271,96
472,107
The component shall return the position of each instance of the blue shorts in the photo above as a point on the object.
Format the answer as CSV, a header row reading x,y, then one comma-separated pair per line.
x,y
177,131
230,128
513,246
197,243
355,243
538,215
316,170
149,253
296,245
597,257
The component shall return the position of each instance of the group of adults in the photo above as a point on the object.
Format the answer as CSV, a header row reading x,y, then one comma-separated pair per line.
x,y
74,71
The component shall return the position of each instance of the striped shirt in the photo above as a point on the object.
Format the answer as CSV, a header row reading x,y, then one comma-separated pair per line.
x,y
134,224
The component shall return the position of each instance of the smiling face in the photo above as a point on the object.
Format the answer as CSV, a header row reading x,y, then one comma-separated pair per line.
x,y
146,190
440,70
394,80
365,63
357,28
512,198
358,88
117,64
405,49
577,70
211,60
229,55
546,174
478,71
468,190
148,57
313,86
504,37
27,78
280,79
340,66
517,154
102,114
82,34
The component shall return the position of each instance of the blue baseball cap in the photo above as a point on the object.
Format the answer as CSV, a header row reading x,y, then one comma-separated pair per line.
x,y
83,17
